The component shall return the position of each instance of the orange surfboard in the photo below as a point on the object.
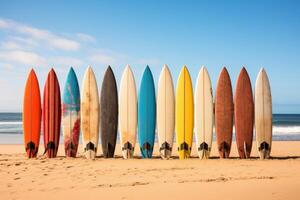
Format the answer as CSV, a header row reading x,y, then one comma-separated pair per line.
x,y
32,115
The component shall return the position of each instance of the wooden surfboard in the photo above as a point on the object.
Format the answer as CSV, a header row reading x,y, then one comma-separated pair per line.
x,y
128,113
224,114
32,115
263,114
71,114
165,113
184,117
146,114
109,114
51,114
204,114
244,114
90,111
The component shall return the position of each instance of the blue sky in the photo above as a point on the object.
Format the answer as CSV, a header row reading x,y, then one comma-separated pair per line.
x,y
194,33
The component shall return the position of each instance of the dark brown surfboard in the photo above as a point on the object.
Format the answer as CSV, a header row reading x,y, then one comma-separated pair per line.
x,y
109,114
224,114
244,114
51,114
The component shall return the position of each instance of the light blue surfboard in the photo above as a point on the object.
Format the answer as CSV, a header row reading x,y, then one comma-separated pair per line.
x,y
71,95
146,114
71,114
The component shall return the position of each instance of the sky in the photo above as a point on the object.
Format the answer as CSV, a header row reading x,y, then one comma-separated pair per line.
x,y
214,34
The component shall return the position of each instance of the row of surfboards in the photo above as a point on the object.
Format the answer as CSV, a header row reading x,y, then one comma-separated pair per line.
x,y
182,113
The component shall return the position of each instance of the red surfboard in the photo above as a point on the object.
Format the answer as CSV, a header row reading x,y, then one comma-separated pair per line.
x,y
224,113
244,114
32,115
51,115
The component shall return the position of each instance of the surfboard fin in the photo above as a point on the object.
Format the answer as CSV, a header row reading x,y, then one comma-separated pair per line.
x,y
203,150
50,146
203,146
90,146
165,150
224,150
70,150
264,150
109,151
146,150
128,150
184,146
32,149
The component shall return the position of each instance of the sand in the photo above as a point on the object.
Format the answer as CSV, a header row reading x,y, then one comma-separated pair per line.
x,y
65,178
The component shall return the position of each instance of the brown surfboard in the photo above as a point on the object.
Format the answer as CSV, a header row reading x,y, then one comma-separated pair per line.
x,y
244,114
224,113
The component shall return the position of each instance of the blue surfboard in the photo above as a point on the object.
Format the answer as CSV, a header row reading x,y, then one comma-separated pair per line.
x,y
146,114
71,114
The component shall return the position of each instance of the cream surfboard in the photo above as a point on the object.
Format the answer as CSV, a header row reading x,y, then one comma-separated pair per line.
x,y
203,114
90,111
127,113
263,114
184,117
165,113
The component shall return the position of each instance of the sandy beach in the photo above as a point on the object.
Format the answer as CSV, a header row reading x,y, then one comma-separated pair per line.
x,y
61,178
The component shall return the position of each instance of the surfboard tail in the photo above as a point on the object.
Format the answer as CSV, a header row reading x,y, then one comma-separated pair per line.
x,y
70,149
264,150
203,154
109,151
90,154
203,151
90,151
31,150
165,150
147,150
184,151
224,150
51,149
127,150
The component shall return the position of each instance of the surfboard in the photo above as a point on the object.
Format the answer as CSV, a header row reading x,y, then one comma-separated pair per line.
x,y
184,117
127,113
32,115
90,112
109,113
204,115
244,114
263,114
146,114
165,113
224,114
51,114
71,114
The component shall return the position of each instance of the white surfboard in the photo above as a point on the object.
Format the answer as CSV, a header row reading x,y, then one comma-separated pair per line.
x,y
90,111
204,115
263,114
165,113
127,113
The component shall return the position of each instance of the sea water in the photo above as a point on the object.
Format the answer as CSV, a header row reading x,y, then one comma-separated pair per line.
x,y
286,127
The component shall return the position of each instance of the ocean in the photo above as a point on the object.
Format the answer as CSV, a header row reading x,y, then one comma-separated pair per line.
x,y
286,127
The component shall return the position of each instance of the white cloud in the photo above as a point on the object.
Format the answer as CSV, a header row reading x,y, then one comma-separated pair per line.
x,y
85,37
4,23
11,45
22,57
51,39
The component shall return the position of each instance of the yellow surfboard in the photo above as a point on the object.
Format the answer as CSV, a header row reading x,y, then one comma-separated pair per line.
x,y
184,117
